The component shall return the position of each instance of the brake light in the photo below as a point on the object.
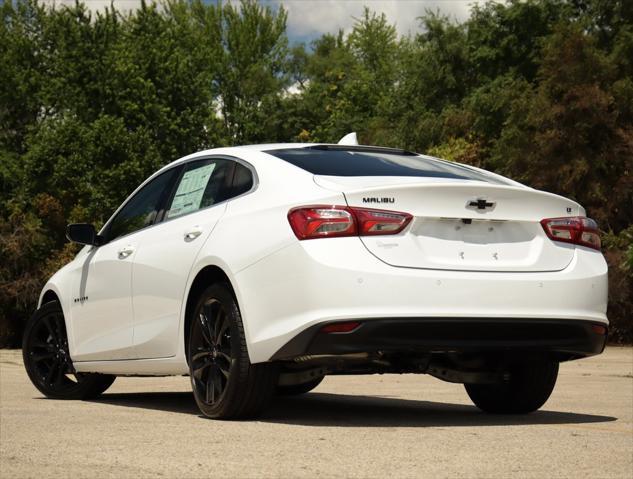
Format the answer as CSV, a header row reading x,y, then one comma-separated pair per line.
x,y
575,229
334,221
379,222
321,222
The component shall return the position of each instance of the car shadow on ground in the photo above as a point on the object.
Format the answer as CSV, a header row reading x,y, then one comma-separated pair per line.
x,y
342,410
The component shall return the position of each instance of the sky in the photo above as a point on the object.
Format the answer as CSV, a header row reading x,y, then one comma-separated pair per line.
x,y
309,19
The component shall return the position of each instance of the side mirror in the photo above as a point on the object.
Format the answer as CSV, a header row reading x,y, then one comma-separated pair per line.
x,y
83,233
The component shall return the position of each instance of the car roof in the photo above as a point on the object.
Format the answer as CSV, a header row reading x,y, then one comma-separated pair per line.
x,y
266,147
235,150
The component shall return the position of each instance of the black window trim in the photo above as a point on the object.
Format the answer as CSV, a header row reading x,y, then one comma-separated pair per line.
x,y
160,217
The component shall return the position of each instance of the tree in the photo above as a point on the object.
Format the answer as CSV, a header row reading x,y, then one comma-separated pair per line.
x,y
564,135
252,71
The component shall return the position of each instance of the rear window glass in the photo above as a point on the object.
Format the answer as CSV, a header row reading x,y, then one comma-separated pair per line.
x,y
343,162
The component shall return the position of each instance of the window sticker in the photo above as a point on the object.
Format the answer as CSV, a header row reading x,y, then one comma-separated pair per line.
x,y
190,190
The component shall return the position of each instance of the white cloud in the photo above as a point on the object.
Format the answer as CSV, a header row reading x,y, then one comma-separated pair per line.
x,y
311,18
308,19
94,5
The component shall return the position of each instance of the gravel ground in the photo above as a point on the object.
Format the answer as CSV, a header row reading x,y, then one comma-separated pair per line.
x,y
355,426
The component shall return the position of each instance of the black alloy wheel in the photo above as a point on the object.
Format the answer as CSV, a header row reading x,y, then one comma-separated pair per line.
x,y
211,353
47,359
225,384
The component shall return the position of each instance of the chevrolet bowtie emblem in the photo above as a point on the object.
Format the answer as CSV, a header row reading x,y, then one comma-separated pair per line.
x,y
481,204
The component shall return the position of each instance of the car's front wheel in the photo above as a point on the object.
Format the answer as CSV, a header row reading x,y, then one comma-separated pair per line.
x,y
47,359
225,383
527,388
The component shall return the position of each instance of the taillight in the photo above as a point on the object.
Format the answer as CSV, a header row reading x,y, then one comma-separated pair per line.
x,y
311,222
321,222
379,222
575,229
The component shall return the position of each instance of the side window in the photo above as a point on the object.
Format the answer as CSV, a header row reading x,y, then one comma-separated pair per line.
x,y
143,208
203,184
242,180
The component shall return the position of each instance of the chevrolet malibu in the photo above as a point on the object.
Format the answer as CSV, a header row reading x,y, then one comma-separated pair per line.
x,y
258,270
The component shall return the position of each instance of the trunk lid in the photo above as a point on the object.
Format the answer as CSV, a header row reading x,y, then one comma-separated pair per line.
x,y
462,225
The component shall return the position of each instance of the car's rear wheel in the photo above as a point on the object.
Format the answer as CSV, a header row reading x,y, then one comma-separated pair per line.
x,y
296,389
528,387
47,359
225,383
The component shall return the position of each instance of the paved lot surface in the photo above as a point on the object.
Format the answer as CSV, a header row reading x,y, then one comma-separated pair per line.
x,y
357,426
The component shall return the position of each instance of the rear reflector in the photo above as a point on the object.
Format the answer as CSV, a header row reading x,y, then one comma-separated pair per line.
x,y
346,327
598,329
575,229
312,222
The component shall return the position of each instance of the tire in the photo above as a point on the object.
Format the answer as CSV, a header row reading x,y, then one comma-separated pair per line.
x,y
225,384
528,388
47,359
296,389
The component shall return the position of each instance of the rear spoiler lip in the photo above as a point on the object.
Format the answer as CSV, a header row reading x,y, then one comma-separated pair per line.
x,y
362,148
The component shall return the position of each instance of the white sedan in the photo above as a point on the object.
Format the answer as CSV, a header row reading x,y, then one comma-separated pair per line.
x,y
260,269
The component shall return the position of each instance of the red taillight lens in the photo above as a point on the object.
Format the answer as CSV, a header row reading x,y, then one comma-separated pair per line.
x,y
321,222
331,221
574,229
379,222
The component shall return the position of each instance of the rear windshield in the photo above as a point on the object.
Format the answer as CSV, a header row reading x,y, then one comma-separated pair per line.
x,y
351,162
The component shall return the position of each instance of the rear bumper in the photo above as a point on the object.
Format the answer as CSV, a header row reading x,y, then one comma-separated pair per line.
x,y
565,338
313,282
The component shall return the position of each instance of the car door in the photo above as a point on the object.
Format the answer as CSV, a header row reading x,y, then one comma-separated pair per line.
x,y
167,252
101,309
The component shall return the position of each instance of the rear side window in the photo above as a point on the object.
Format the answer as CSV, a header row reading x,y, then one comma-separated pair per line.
x,y
368,162
203,183
242,180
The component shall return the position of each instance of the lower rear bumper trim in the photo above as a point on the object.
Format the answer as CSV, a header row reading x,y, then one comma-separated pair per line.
x,y
568,338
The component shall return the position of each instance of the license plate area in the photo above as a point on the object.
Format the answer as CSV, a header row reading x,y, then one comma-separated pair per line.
x,y
460,243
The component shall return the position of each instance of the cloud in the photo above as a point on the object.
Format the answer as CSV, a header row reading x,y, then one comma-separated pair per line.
x,y
96,5
309,19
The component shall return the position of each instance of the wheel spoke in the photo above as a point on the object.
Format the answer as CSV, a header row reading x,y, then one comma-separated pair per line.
x,y
38,357
42,345
218,323
198,372
61,372
217,384
224,371
224,356
51,331
200,354
223,329
51,373
209,388
59,328
204,328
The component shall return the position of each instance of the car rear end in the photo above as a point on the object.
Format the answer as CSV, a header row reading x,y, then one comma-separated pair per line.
x,y
431,267
444,259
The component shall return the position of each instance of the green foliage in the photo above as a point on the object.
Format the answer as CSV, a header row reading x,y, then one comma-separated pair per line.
x,y
90,104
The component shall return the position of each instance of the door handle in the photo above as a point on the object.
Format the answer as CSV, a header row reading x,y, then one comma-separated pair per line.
x,y
125,252
193,233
